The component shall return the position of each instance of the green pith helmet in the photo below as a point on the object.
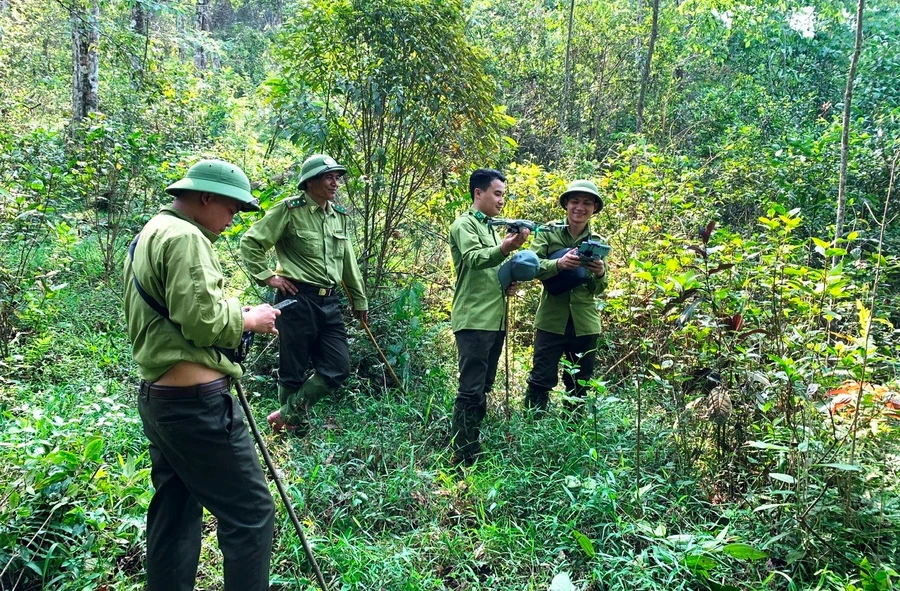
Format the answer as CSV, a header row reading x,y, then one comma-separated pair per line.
x,y
582,186
318,164
219,177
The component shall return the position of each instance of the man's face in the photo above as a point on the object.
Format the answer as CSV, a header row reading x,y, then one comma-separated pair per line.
x,y
324,187
490,201
579,208
218,212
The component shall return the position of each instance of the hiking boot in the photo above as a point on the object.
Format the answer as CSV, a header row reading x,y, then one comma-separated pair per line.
x,y
459,460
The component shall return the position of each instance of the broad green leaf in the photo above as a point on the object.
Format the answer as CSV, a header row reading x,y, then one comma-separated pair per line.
x,y
744,551
699,562
768,506
787,478
764,445
585,543
94,449
839,466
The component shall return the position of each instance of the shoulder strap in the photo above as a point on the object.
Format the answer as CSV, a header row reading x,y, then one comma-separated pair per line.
x,y
151,301
164,312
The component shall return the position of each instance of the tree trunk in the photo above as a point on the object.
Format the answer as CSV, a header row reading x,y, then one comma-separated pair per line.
x,y
204,25
139,19
645,73
845,131
85,58
567,85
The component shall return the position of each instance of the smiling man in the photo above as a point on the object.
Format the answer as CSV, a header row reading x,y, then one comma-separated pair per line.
x,y
568,322
311,236
478,317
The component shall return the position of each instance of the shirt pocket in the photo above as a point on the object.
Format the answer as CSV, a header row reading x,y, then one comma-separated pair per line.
x,y
308,242
339,243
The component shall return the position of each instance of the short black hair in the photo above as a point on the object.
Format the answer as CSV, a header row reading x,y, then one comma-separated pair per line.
x,y
482,179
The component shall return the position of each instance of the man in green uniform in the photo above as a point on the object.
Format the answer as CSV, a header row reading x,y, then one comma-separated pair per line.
x,y
568,323
311,236
478,318
181,327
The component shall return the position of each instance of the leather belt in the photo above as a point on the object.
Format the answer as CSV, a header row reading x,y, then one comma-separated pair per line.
x,y
181,392
310,289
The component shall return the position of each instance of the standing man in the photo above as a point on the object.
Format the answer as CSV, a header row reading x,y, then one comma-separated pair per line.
x,y
181,326
478,317
567,323
311,236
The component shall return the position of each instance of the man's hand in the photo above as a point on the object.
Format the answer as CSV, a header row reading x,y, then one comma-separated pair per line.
x,y
514,241
598,268
261,319
569,260
362,315
281,284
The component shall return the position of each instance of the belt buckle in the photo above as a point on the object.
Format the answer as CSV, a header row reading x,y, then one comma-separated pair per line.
x,y
323,291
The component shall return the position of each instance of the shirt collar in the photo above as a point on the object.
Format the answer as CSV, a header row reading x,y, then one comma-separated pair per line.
x,y
478,215
327,210
211,236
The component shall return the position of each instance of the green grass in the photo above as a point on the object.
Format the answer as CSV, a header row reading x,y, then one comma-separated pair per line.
x,y
376,494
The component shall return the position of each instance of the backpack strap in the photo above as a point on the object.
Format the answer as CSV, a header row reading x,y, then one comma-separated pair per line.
x,y
151,301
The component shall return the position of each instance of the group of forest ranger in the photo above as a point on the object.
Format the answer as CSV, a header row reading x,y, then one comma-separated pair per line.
x,y
183,330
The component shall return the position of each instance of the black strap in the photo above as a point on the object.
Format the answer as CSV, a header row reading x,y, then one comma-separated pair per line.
x,y
232,355
151,301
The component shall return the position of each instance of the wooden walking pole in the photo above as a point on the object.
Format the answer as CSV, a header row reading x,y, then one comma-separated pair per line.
x,y
384,360
506,360
281,491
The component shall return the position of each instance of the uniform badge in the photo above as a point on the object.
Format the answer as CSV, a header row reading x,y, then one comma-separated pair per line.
x,y
295,202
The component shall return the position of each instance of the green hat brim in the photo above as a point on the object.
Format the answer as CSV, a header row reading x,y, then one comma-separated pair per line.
x,y
597,199
247,201
319,171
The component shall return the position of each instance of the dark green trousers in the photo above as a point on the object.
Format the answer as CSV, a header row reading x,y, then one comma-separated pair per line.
x,y
202,456
479,355
310,332
549,348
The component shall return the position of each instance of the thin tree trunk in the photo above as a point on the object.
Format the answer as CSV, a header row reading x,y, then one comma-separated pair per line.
x,y
645,73
85,59
567,86
139,20
845,131
140,24
204,25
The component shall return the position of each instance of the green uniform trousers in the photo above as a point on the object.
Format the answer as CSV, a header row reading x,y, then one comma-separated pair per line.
x,y
549,348
479,355
310,332
202,456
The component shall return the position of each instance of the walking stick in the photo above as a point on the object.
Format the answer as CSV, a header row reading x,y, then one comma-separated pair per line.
x,y
384,360
284,496
506,360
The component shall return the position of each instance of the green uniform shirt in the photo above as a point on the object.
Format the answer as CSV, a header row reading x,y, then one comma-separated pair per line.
x,y
478,301
554,310
176,265
312,245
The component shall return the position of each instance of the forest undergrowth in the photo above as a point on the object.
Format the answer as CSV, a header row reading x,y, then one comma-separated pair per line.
x,y
573,496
